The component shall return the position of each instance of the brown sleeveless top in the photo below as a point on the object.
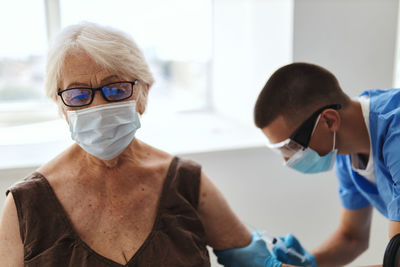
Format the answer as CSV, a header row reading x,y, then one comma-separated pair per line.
x,y
177,237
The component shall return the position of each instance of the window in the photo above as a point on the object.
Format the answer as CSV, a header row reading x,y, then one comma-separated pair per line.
x,y
22,51
175,37
206,55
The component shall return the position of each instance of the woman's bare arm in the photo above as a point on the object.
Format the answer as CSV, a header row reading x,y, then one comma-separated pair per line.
x,y
11,247
223,229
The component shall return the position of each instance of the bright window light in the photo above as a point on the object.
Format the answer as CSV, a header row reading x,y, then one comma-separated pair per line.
x,y
175,36
22,51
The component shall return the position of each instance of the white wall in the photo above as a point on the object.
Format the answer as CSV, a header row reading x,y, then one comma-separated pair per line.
x,y
354,39
269,196
252,38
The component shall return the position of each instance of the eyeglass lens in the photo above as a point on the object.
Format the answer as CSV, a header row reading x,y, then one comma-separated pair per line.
x,y
117,91
77,97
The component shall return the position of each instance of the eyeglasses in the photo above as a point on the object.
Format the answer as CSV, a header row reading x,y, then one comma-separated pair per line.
x,y
301,137
113,92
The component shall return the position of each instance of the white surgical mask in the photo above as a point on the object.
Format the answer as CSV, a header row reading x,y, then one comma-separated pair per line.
x,y
104,131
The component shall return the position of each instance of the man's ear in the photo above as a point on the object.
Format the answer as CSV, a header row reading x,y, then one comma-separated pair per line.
x,y
332,119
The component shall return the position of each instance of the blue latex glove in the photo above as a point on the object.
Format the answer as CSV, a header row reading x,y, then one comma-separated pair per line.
x,y
256,254
292,243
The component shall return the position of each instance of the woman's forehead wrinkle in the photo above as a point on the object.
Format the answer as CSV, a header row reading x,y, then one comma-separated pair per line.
x,y
83,70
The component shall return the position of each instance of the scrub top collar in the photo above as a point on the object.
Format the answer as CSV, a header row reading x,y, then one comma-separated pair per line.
x,y
358,163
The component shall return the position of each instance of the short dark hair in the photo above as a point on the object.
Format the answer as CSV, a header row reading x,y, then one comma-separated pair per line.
x,y
295,91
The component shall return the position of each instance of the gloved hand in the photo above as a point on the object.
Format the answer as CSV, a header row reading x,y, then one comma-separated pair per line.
x,y
256,254
292,244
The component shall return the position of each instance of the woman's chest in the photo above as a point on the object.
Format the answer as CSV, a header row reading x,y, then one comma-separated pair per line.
x,y
113,224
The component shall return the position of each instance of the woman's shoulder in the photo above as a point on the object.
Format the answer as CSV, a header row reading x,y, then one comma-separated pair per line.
x,y
58,164
158,155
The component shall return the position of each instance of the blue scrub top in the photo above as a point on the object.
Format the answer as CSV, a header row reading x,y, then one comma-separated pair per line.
x,y
384,126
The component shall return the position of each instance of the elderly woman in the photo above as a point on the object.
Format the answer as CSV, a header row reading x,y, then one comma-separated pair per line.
x,y
110,199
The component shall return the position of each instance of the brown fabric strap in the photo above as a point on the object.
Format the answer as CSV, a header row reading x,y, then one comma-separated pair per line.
x,y
41,222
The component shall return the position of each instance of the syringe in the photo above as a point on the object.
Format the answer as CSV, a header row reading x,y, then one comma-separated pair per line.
x,y
279,243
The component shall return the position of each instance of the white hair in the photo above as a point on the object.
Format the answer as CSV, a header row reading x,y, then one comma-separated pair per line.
x,y
108,47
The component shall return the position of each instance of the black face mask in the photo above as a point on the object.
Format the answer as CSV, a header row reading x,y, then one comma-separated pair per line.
x,y
302,135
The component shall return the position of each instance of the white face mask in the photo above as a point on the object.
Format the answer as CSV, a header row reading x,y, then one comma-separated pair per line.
x,y
104,131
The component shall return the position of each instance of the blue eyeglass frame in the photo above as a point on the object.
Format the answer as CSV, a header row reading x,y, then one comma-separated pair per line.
x,y
94,92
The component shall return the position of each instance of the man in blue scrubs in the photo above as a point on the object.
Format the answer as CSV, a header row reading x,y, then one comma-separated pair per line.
x,y
312,123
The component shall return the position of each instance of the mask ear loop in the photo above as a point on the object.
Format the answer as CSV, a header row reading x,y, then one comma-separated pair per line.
x,y
334,133
334,140
315,125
